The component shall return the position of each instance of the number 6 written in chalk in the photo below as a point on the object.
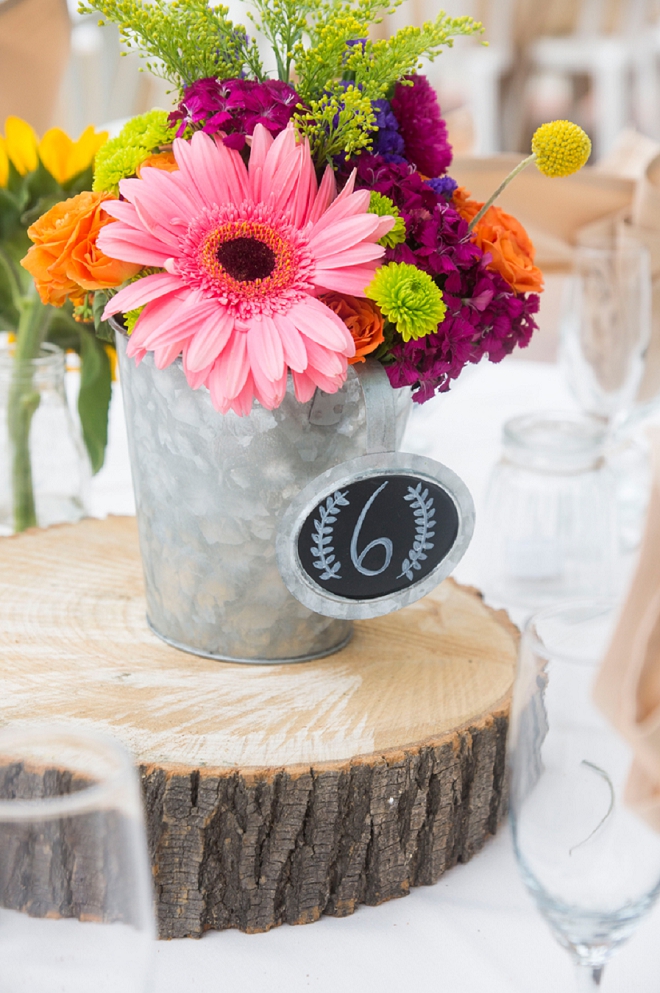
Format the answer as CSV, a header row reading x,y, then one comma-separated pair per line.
x,y
356,559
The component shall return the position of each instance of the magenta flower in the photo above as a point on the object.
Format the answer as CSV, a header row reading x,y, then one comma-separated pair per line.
x,y
235,106
245,251
421,126
484,318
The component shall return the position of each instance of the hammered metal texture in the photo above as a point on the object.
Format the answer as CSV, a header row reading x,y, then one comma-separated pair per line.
x,y
210,490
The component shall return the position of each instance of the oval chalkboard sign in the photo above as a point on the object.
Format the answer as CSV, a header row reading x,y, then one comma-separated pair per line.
x,y
374,534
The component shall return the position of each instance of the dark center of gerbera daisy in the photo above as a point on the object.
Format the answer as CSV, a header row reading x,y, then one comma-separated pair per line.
x,y
246,259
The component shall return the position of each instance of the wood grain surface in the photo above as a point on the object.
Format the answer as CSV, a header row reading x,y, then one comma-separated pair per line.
x,y
273,793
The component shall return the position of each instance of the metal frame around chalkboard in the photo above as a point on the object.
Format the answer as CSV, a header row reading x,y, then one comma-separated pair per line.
x,y
396,463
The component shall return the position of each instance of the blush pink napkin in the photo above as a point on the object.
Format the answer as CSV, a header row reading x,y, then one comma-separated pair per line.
x,y
628,685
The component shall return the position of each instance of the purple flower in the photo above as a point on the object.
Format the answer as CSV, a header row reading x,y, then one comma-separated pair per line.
x,y
387,142
397,180
444,186
484,318
422,128
235,106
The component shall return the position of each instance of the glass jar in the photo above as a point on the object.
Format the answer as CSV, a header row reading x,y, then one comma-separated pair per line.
x,y
551,512
44,468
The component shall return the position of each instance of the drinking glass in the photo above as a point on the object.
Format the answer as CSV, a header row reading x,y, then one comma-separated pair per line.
x,y
590,862
76,909
605,332
606,327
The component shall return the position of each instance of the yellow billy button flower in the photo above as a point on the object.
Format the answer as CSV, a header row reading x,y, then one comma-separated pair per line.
x,y
64,158
21,145
560,148
409,298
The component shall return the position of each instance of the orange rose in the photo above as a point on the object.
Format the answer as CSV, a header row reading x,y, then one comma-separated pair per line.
x,y
65,260
500,234
362,318
161,160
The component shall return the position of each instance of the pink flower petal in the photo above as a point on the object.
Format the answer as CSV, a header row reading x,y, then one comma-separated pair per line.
x,y
326,194
353,279
231,368
365,251
162,195
212,169
293,345
122,210
261,143
307,188
208,341
281,161
332,363
166,355
341,208
195,379
129,245
269,394
317,322
329,384
140,292
349,186
305,388
240,404
181,324
154,315
386,224
265,349
337,237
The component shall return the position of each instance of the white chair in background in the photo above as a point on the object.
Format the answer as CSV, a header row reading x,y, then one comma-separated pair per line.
x,y
617,58
470,71
100,83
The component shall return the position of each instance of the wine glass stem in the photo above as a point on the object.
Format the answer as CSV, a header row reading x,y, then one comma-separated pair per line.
x,y
589,977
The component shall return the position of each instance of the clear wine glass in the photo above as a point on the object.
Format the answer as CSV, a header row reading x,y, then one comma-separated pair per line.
x,y
605,333
76,909
591,863
606,327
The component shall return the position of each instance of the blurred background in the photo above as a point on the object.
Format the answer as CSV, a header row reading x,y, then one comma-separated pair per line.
x,y
594,61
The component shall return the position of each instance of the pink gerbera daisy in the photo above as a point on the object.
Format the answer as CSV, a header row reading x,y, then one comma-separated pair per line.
x,y
245,252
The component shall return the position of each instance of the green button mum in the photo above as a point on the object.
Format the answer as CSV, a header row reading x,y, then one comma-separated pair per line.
x,y
408,298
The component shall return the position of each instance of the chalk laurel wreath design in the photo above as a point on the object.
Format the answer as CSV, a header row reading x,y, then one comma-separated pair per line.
x,y
322,550
424,511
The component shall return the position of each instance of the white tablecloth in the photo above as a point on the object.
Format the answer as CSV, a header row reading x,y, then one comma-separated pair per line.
x,y
477,928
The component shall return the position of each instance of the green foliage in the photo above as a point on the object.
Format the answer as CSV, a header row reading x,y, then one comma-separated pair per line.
x,y
377,65
283,23
189,40
121,156
95,379
373,65
340,121
103,330
182,40
131,317
334,23
382,206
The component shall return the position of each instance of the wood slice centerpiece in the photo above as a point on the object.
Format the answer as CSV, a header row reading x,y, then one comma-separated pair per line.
x,y
274,794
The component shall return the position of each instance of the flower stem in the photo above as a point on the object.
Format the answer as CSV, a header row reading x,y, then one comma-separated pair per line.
x,y
23,401
503,185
